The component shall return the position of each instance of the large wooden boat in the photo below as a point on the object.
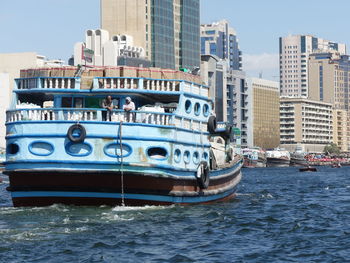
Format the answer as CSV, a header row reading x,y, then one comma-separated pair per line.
x,y
62,147
277,158
254,157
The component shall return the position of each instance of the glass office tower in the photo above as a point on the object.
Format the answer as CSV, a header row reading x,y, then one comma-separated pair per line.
x,y
168,30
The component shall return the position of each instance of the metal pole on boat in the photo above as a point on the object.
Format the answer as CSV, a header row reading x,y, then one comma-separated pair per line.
x,y
121,164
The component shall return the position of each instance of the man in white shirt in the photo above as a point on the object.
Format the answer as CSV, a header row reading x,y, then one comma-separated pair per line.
x,y
128,107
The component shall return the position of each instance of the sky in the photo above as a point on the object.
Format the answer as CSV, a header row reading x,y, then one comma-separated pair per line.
x,y
52,27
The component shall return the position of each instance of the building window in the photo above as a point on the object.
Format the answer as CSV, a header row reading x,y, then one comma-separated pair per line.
x,y
210,32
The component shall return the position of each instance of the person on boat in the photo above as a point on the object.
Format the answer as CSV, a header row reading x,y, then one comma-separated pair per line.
x,y
128,107
107,104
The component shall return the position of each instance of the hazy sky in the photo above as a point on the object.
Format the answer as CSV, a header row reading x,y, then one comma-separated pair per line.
x,y
51,27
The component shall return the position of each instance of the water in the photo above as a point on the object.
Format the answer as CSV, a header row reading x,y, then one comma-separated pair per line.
x,y
280,215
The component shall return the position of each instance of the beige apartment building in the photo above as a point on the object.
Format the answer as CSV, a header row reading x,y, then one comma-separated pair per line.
x,y
168,30
340,129
294,53
265,112
305,123
329,75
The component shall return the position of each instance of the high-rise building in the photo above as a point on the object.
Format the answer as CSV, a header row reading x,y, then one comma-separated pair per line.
x,y
220,39
340,129
238,109
329,75
305,123
168,30
225,78
329,81
294,55
229,91
265,103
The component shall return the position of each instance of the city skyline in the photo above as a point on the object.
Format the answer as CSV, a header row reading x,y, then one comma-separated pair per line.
x,y
51,28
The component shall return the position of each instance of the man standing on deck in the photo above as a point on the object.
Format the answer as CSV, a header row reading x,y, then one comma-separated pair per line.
x,y
107,104
128,107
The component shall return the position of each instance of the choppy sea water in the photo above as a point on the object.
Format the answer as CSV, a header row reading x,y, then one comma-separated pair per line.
x,y
280,215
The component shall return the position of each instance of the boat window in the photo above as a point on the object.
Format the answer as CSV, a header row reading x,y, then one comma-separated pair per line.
x,y
93,103
177,155
12,148
34,98
157,153
188,106
197,108
196,157
78,103
187,156
66,102
205,156
69,102
206,110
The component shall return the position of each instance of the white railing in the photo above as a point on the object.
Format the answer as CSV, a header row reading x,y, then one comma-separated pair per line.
x,y
105,83
58,83
137,83
46,83
97,115
117,83
28,83
161,85
154,118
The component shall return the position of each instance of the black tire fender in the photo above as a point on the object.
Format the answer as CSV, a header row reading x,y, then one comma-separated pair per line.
x,y
212,124
202,175
82,133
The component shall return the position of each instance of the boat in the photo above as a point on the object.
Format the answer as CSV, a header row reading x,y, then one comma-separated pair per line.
x,y
336,165
298,157
62,147
254,157
277,158
308,169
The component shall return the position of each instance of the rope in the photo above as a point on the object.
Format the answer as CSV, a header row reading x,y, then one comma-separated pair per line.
x,y
121,165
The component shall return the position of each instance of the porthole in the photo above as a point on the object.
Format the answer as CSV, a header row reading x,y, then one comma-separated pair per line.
x,y
187,157
188,106
205,156
113,150
12,148
41,148
195,158
157,153
206,110
177,155
197,109
78,149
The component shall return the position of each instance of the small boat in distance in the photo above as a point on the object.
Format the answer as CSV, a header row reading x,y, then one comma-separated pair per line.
x,y
336,165
308,169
